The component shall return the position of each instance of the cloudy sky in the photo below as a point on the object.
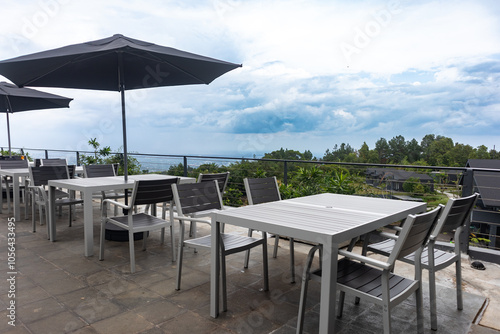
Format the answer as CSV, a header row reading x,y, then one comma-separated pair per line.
x,y
315,73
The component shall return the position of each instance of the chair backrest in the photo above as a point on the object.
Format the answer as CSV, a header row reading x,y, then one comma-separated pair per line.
x,y
415,233
71,171
40,176
221,178
262,190
455,214
54,162
153,191
195,197
8,164
99,170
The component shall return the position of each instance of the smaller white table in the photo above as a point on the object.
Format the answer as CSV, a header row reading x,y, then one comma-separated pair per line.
x,y
18,174
88,186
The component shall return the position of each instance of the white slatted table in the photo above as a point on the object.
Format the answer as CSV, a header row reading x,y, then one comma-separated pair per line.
x,y
327,219
88,186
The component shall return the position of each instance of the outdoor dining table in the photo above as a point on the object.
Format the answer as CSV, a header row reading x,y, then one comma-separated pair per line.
x,y
17,174
88,186
327,219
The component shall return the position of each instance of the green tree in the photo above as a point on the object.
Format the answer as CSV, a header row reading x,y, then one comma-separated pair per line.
x,y
99,153
414,150
382,149
397,149
482,152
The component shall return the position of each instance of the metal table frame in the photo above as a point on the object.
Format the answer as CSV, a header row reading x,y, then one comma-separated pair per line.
x,y
327,219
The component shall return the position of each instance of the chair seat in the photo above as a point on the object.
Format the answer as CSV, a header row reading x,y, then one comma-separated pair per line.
x,y
141,222
440,257
68,201
368,280
233,243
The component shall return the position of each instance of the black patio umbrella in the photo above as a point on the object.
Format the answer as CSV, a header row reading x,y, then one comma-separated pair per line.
x,y
117,63
14,99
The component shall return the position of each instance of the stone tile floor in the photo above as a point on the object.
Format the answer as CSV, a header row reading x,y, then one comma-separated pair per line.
x,y
58,290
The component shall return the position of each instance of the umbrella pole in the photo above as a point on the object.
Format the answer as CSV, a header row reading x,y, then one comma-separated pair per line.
x,y
8,126
124,125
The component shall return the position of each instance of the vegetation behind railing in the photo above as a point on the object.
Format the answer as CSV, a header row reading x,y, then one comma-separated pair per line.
x,y
432,184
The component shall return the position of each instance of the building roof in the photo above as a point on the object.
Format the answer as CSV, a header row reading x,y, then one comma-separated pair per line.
x,y
487,183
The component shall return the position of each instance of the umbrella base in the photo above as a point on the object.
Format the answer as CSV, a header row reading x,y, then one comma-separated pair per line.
x,y
116,233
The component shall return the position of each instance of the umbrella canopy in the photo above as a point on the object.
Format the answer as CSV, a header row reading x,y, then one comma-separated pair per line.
x,y
117,63
15,99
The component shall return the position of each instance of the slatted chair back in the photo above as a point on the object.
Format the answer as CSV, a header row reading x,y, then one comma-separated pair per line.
x,y
13,164
455,214
40,176
221,178
71,171
414,235
262,190
54,162
153,191
195,197
99,170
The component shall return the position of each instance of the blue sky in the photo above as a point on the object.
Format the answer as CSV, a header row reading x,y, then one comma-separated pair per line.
x,y
315,74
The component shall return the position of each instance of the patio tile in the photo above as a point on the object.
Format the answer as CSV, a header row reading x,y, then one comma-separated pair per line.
x,y
64,322
159,311
188,323
125,322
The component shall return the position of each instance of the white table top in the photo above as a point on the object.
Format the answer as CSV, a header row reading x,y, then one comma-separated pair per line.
x,y
312,218
110,182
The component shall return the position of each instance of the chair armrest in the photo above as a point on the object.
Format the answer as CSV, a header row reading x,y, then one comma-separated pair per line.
x,y
191,219
365,259
121,205
388,235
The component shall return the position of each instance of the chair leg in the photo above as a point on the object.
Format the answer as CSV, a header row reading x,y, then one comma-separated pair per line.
x,y
247,253
432,297
101,240
223,280
276,242
33,214
172,241
340,306
420,311
292,260
162,237
264,262
180,253
458,268
132,251
305,283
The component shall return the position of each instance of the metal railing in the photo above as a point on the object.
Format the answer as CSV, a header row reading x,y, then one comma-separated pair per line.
x,y
392,181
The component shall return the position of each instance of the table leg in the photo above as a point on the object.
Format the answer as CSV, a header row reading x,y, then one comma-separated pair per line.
x,y
328,288
214,269
15,196
88,223
52,213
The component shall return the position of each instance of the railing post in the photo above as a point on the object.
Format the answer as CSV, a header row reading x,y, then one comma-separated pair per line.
x,y
77,158
285,173
46,154
185,166
467,188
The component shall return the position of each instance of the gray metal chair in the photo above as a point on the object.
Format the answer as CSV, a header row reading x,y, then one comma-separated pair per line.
x,y
54,162
103,170
454,217
374,280
194,198
263,190
39,177
221,178
145,192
